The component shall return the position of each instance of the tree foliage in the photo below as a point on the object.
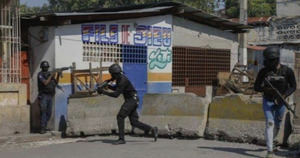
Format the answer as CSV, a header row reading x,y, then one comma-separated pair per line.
x,y
77,5
256,8
24,9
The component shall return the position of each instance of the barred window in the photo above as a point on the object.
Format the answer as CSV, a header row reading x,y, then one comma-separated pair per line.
x,y
105,52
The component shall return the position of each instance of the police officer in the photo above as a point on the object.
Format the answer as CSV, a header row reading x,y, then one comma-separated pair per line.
x,y
125,87
46,88
283,79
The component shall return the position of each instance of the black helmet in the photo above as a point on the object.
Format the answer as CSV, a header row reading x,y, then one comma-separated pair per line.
x,y
115,69
271,53
44,64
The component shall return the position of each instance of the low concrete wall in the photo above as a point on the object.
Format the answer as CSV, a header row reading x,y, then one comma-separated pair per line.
x,y
14,111
14,119
92,115
172,113
238,118
13,94
176,114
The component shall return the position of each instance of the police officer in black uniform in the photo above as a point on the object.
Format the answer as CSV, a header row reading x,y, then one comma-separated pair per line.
x,y
46,87
283,79
124,86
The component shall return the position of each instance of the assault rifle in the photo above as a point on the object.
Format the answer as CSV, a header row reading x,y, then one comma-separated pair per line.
x,y
60,70
281,98
60,75
101,86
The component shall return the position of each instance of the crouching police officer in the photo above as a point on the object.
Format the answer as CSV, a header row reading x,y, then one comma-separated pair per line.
x,y
124,86
283,79
46,88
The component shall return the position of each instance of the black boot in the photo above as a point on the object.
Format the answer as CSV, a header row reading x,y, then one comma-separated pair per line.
x,y
42,131
119,141
154,131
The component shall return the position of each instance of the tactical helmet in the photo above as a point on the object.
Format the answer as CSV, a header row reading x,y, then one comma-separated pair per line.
x,y
271,53
115,69
44,64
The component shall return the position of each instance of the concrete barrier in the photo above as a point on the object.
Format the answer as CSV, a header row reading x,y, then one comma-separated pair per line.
x,y
172,113
92,115
14,111
176,114
238,118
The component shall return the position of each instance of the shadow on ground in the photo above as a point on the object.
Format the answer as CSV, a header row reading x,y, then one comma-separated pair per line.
x,y
111,141
240,151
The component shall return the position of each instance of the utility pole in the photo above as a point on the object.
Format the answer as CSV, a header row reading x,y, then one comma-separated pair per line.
x,y
242,56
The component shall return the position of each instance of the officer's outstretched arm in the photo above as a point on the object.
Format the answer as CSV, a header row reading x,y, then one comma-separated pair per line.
x,y
119,89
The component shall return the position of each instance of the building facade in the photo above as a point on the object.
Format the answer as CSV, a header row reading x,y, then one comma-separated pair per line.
x,y
160,53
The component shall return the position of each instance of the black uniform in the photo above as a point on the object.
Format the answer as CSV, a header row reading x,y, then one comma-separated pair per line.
x,y
124,86
285,81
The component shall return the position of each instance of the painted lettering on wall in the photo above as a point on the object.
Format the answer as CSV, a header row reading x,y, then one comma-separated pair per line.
x,y
113,33
102,36
140,37
160,58
125,34
87,32
152,36
143,36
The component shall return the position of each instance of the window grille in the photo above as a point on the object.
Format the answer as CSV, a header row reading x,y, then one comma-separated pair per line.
x,y
198,66
104,52
10,42
134,54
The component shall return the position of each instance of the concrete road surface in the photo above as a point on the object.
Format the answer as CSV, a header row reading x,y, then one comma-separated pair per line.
x,y
136,147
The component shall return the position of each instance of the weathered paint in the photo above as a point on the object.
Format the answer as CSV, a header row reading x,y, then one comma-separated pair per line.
x,y
192,34
159,87
13,94
287,8
236,107
283,30
14,119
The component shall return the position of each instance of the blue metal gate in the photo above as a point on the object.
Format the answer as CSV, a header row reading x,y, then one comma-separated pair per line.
x,y
135,68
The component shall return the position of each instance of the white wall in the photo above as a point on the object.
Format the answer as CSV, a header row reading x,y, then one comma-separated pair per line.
x,y
191,34
288,8
40,49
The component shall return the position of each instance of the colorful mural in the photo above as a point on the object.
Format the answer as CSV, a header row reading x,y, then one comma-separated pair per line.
x,y
160,58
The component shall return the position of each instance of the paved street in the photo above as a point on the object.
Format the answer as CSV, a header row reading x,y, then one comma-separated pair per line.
x,y
136,147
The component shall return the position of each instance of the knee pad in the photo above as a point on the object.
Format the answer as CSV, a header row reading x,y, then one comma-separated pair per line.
x,y
270,124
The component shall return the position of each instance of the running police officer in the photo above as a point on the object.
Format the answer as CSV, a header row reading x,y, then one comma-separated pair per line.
x,y
125,87
46,88
283,79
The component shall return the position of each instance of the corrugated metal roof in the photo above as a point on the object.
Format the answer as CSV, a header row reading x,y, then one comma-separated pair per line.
x,y
157,9
137,11
255,20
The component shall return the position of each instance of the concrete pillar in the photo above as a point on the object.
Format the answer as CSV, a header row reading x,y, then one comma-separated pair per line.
x,y
243,36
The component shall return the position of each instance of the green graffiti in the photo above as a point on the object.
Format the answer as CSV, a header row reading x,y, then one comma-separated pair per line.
x,y
160,58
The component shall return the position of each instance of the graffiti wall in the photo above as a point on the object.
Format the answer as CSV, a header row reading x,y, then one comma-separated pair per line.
x,y
123,41
104,41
